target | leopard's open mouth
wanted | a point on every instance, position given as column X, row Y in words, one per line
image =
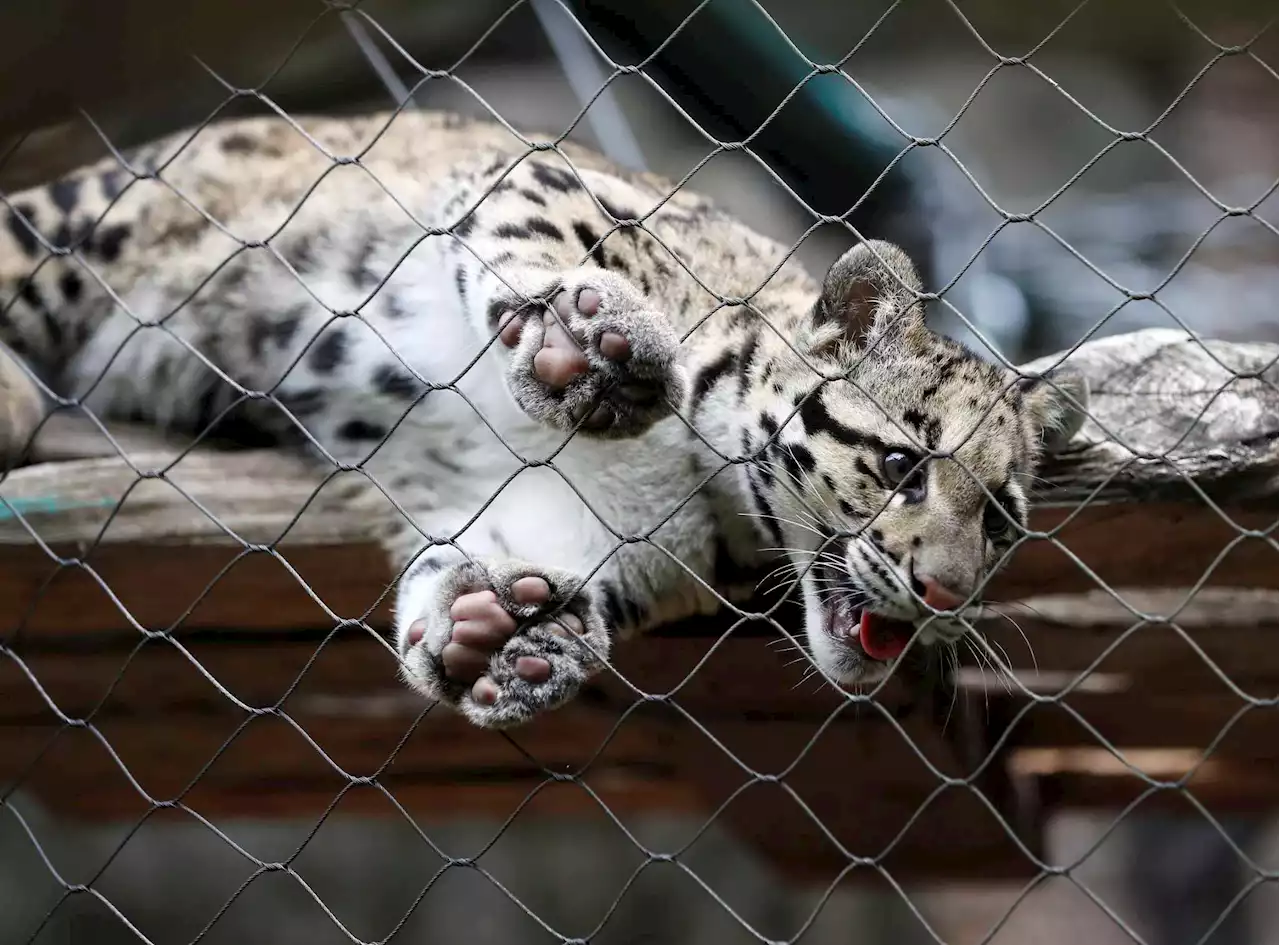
column 880, row 638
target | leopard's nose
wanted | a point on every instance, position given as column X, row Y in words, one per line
column 938, row 596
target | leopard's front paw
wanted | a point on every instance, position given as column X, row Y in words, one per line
column 502, row 643
column 606, row 362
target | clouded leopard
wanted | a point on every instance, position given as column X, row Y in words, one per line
column 598, row 401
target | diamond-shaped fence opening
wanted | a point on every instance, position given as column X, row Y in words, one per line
column 257, row 386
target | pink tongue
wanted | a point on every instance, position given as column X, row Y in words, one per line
column 882, row 638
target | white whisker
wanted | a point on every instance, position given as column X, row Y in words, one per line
column 998, row 665
column 978, row 656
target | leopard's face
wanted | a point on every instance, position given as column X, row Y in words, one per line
column 898, row 480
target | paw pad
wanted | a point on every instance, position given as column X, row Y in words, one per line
column 602, row 360
column 504, row 652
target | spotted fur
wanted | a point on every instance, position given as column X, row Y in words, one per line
column 343, row 289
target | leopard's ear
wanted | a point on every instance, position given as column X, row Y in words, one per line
column 870, row 291
column 1059, row 403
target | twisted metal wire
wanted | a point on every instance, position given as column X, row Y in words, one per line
column 361, row 22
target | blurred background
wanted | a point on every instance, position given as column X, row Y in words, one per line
column 1158, row 211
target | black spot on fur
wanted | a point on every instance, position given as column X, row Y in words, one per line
column 238, row 143
column 213, row 402
column 930, row 428
column 590, row 242
column 621, row 214
column 618, row 264
column 544, row 227
column 357, row 429
column 620, row 610
column 554, row 177
column 788, row 462
column 258, row 329
column 30, row 293
column 65, row 194
column 361, row 276
column 726, row 569
column 879, row 571
column 947, row 368
column 72, row 286
column 861, row 466
column 277, row 329
column 301, row 254
column 767, row 517
column 302, row 403
column 612, row 603
column 464, row 226
column 817, row 419
column 25, row 238
column 111, row 241
column 113, row 184
column 749, row 345
column 328, row 352
column 533, row 196
column 512, row 231
column 439, row 458
column 394, row 381
column 933, row 433
column 777, row 387
column 803, row 456
column 845, row 507
column 71, row 235
column 497, row 309
column 393, row 305
column 460, row 280
column 426, row 564
column 769, row 425
column 709, row 374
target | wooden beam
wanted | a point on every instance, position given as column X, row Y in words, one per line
column 158, row 584
column 1126, row 506
column 1178, row 780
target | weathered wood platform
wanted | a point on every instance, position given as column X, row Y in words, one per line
column 185, row 627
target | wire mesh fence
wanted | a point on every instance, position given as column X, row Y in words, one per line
column 1176, row 463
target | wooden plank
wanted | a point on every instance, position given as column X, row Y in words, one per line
column 871, row 784
column 1195, row 719
column 317, row 749
column 203, row 586
column 156, row 585
column 1227, row 632
column 1153, row 544
column 811, row 799
column 1177, row 424
column 204, row 674
column 1178, row 780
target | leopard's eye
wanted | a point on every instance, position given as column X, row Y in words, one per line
column 995, row 521
column 902, row 468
